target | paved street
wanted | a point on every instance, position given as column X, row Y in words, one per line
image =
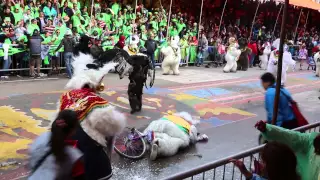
column 228, row 104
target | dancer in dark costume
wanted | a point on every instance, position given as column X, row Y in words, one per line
column 138, row 77
column 138, row 67
column 243, row 62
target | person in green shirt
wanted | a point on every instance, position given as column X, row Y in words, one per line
column 306, row 147
column 184, row 45
column 18, row 15
column 115, row 8
column 33, row 26
column 180, row 25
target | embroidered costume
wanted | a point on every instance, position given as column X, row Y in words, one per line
column 99, row 120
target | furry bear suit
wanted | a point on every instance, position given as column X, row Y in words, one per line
column 172, row 57
column 99, row 120
column 171, row 133
column 243, row 62
column 286, row 62
column 265, row 55
column 232, row 56
column 317, row 60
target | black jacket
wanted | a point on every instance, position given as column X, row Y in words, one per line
column 67, row 10
column 151, row 46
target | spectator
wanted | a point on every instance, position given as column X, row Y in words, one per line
column 68, row 43
column 303, row 54
column 286, row 118
column 306, row 146
column 121, row 43
column 279, row 163
column 151, row 46
column 254, row 52
column 49, row 11
column 50, row 154
column 202, row 48
column 35, row 52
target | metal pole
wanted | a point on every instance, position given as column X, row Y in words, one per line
column 169, row 19
column 92, row 4
column 305, row 25
column 274, row 28
column 200, row 19
column 254, row 20
column 224, row 7
column 135, row 8
column 295, row 33
column 278, row 85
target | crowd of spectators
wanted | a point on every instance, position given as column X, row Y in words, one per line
column 53, row 19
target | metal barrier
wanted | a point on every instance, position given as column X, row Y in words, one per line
column 223, row 169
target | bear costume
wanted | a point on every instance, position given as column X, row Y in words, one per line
column 243, row 62
column 232, row 56
column 172, row 57
column 172, row 132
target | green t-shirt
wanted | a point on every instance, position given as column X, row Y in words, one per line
column 17, row 17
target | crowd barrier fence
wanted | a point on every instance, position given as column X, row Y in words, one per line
column 189, row 56
column 223, row 169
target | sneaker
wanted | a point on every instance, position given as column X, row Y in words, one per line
column 154, row 152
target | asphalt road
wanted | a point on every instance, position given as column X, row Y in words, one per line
column 228, row 104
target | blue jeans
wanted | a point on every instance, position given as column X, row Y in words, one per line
column 252, row 56
column 151, row 56
column 68, row 61
column 6, row 63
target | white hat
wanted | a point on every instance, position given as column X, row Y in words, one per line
column 68, row 32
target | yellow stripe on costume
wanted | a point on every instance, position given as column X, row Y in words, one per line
column 179, row 121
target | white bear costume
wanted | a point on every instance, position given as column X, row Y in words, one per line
column 232, row 56
column 286, row 62
column 317, row 60
column 172, row 57
column 265, row 56
column 171, row 133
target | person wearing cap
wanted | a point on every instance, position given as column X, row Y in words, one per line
column 151, row 46
column 68, row 43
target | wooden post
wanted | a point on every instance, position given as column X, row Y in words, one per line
column 279, row 72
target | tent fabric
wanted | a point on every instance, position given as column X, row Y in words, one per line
column 311, row 4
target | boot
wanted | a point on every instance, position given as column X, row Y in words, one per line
column 154, row 151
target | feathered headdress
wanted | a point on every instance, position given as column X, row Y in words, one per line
column 87, row 72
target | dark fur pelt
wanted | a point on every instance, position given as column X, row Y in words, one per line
column 243, row 62
column 83, row 46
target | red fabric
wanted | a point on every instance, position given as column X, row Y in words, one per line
column 121, row 42
column 253, row 47
column 296, row 111
column 78, row 169
column 315, row 49
column 82, row 101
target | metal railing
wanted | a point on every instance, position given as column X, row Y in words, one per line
column 225, row 170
